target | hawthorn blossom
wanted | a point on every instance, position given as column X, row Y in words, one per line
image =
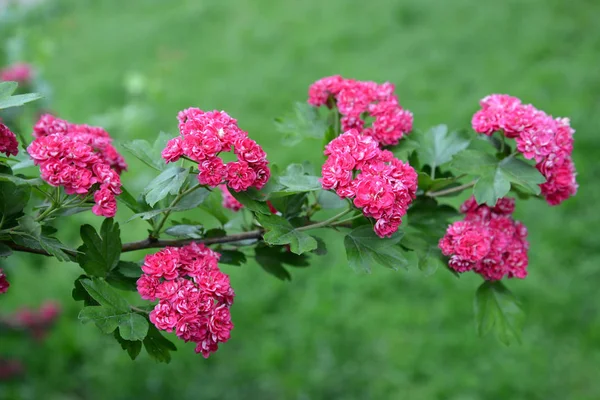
column 538, row 136
column 194, row 296
column 19, row 72
column 357, row 100
column 204, row 135
column 4, row 285
column 80, row 158
column 384, row 187
column 8, row 141
column 488, row 241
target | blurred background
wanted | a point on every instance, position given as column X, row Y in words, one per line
column 130, row 66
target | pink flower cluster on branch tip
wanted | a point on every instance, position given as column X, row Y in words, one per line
column 204, row 135
column 19, row 72
column 194, row 295
column 8, row 141
column 228, row 200
column 488, row 241
column 79, row 158
column 4, row 285
column 356, row 100
column 384, row 187
column 539, row 136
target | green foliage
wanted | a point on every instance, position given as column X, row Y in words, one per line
column 149, row 154
column 185, row 231
column 99, row 254
column 494, row 176
column 133, row 347
column 306, row 123
column 232, row 257
column 167, row 182
column 364, row 249
column 437, row 146
column 8, row 100
column 279, row 231
column 274, row 259
column 187, row 202
column 497, row 310
column 296, row 179
column 158, row 347
column 248, row 199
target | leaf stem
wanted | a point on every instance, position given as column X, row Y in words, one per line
column 326, row 222
column 176, row 200
column 450, row 190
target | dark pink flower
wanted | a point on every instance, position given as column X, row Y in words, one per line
column 8, row 141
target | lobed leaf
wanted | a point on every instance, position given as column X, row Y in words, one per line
column 497, row 310
column 279, row 231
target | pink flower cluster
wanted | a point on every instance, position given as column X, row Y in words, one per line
column 356, row 100
column 194, row 295
column 19, row 72
column 228, row 200
column 204, row 135
column 4, row 285
column 8, row 141
column 539, row 136
column 384, row 187
column 488, row 241
column 78, row 157
column 35, row 322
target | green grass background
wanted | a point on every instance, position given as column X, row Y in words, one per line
column 331, row 332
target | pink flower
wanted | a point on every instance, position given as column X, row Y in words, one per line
column 4, row 285
column 228, row 200
column 77, row 157
column 146, row 287
column 212, row 172
column 538, row 136
column 356, row 99
column 240, row 176
column 488, row 241
column 194, row 295
column 19, row 72
column 385, row 186
column 204, row 136
column 8, row 141
column 106, row 204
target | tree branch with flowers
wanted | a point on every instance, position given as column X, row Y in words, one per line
column 381, row 190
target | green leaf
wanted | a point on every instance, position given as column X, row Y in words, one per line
column 13, row 198
column 128, row 269
column 269, row 260
column 290, row 206
column 167, row 182
column 126, row 198
column 329, row 200
column 523, row 174
column 212, row 205
column 305, row 123
column 232, row 257
column 7, row 88
column 429, row 217
column 157, row 346
column 100, row 254
column 365, row 249
column 495, row 176
column 185, row 231
column 133, row 326
column 279, row 231
column 427, row 184
column 5, row 251
column 188, row 202
column 80, row 294
column 437, row 146
column 100, row 291
column 133, row 347
column 404, row 149
column 250, row 203
column 24, row 163
column 491, row 186
column 144, row 151
column 18, row 100
column 296, row 179
column 21, row 181
column 105, row 318
column 497, row 309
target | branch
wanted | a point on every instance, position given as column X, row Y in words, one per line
column 152, row 243
column 451, row 190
